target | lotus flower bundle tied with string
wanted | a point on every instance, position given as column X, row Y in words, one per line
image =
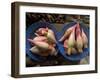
column 44, row 43
column 74, row 40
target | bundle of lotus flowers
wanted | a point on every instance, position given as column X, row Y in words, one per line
column 44, row 43
column 74, row 40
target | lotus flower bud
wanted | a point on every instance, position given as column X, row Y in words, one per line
column 79, row 41
column 85, row 39
column 67, row 49
column 42, row 52
column 39, row 51
column 71, row 40
column 42, row 31
column 67, row 33
column 42, row 45
column 39, row 38
column 35, row 49
column 50, row 36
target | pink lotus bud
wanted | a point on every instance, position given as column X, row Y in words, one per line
column 39, row 51
column 35, row 49
column 51, row 36
column 85, row 39
column 79, row 41
column 42, row 45
column 68, row 51
column 39, row 38
column 51, row 50
column 67, row 33
column 71, row 40
column 42, row 31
